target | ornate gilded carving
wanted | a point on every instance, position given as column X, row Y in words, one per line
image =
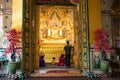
column 83, row 36
column 55, row 27
column 26, row 29
column 56, row 24
column 116, row 6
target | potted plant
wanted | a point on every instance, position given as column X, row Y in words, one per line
column 13, row 37
column 103, row 45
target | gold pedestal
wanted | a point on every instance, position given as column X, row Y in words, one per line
column 51, row 50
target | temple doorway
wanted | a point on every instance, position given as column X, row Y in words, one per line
column 53, row 24
column 56, row 26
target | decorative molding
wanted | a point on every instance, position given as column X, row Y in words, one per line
column 58, row 2
column 26, row 59
column 83, row 36
column 75, row 1
column 116, row 6
column 106, row 12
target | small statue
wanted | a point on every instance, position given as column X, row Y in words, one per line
column 103, row 55
column 13, row 57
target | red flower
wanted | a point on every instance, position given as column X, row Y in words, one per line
column 13, row 37
column 102, row 41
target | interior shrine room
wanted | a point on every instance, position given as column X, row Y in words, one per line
column 32, row 31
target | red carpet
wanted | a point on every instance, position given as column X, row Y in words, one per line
column 57, row 71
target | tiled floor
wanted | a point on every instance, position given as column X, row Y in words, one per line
column 4, row 70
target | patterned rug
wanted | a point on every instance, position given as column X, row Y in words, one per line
column 56, row 72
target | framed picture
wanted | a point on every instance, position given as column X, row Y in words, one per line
column 95, row 59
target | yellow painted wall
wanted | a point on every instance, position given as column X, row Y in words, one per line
column 94, row 14
column 17, row 14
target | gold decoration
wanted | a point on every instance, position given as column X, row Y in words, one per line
column 56, row 24
column 55, row 27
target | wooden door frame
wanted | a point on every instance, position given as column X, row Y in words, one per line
column 29, row 47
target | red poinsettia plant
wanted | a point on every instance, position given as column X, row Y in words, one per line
column 102, row 42
column 14, row 38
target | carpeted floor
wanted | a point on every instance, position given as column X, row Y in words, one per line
column 57, row 71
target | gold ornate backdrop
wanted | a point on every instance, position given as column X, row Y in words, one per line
column 55, row 27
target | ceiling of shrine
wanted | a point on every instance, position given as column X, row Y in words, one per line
column 59, row 2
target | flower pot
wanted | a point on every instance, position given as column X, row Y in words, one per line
column 12, row 67
column 104, row 66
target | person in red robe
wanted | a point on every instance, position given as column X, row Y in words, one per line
column 61, row 60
